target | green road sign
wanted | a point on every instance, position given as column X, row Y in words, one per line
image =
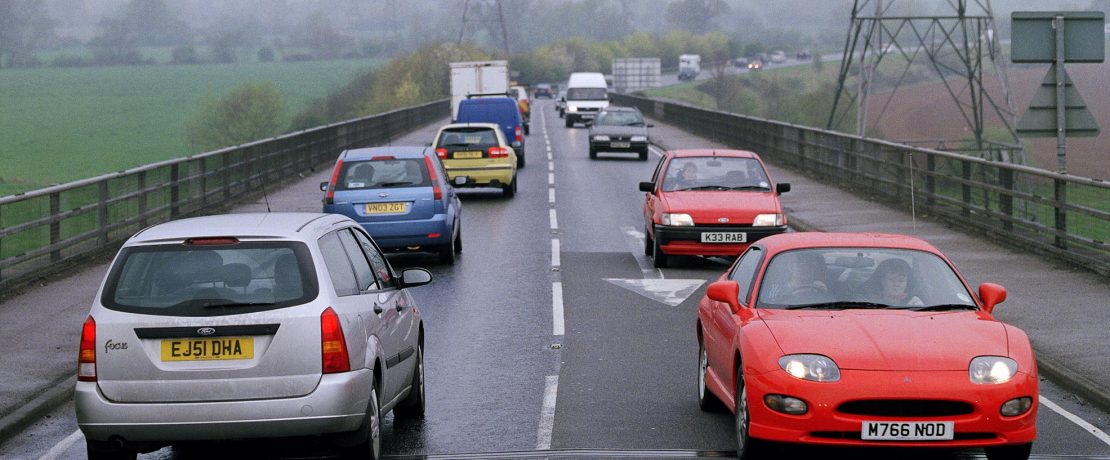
column 1040, row 119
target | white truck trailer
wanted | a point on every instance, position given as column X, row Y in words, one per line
column 689, row 66
column 477, row 77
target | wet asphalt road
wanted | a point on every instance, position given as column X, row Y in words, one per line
column 617, row 381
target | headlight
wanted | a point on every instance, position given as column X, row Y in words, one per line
column 991, row 369
column 639, row 138
column 680, row 220
column 767, row 220
column 601, row 138
column 815, row 368
column 572, row 108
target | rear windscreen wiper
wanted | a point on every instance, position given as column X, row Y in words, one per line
column 395, row 184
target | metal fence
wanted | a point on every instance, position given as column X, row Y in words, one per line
column 1042, row 211
column 44, row 229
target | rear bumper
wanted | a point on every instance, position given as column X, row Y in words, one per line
column 410, row 233
column 338, row 404
column 481, row 175
column 687, row 240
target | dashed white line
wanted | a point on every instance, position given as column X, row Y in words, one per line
column 557, row 308
column 554, row 220
column 550, row 178
column 548, row 156
column 551, row 195
column 547, row 414
column 550, row 166
column 1102, row 436
column 554, row 252
column 62, row 446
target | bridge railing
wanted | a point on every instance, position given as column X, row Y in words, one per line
column 44, row 229
column 1042, row 211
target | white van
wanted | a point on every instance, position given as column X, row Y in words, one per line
column 587, row 94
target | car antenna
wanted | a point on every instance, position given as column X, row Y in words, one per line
column 913, row 203
column 265, row 196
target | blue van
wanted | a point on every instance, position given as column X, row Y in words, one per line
column 502, row 111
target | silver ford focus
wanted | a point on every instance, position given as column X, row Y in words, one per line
column 245, row 326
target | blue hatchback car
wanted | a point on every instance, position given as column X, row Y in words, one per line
column 401, row 196
column 502, row 111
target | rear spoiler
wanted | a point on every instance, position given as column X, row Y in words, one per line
column 469, row 96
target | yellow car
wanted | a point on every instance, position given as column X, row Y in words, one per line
column 477, row 155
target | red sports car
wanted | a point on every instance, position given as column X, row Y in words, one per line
column 709, row 202
column 863, row 340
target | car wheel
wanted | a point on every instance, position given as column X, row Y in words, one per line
column 569, row 121
column 644, row 155
column 520, row 159
column 746, row 447
column 707, row 401
column 649, row 245
column 1016, row 452
column 593, row 154
column 660, row 258
column 107, row 451
column 509, row 190
column 413, row 404
column 371, row 444
column 458, row 240
column 527, row 129
column 447, row 253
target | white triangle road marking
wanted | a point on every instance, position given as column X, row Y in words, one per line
column 668, row 291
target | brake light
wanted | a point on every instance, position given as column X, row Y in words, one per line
column 333, row 347
column 441, row 153
column 211, row 241
column 498, row 152
column 86, row 357
column 436, row 192
column 519, row 136
column 329, row 198
column 383, row 157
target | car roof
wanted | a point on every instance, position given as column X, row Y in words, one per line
column 686, row 153
column 259, row 225
column 396, row 151
column 799, row 240
column 488, row 100
column 494, row 126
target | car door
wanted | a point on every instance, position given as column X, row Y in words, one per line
column 398, row 326
column 651, row 199
column 725, row 325
column 350, row 301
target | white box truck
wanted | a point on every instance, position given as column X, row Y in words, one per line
column 587, row 94
column 689, row 66
column 477, row 77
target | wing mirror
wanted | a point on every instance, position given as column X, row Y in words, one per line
column 413, row 277
column 991, row 294
column 323, row 186
column 782, row 188
column 726, row 291
column 650, row 125
column 647, row 187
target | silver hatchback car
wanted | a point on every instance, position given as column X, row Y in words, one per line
column 245, row 326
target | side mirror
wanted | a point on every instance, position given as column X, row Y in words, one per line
column 647, row 187
column 650, row 125
column 323, row 186
column 782, row 188
column 991, row 294
column 413, row 277
column 727, row 291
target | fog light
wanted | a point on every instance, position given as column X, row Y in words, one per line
column 1016, row 406
column 785, row 404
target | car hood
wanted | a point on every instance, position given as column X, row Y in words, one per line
column 889, row 340
column 623, row 131
column 706, row 207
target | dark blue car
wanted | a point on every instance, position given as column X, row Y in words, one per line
column 502, row 111
column 401, row 196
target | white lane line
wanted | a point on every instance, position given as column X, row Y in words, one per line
column 554, row 221
column 1102, row 436
column 550, row 178
column 62, row 446
column 656, row 151
column 550, row 166
column 547, row 415
column 548, row 156
column 635, row 245
column 554, row 252
column 551, row 195
column 549, row 147
column 557, row 326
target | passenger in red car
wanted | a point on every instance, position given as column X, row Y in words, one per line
column 890, row 283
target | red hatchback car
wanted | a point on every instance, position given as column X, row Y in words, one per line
column 709, row 203
column 863, row 340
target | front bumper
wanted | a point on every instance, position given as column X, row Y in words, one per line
column 686, row 241
column 338, row 404
column 981, row 425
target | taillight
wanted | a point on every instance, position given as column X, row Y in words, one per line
column 329, row 198
column 441, row 153
column 436, row 192
column 333, row 348
column 382, row 158
column 86, row 358
column 519, row 136
column 498, row 152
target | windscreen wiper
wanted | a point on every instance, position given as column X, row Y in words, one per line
column 395, row 184
column 703, row 187
column 240, row 304
column 750, row 187
column 946, row 307
column 838, row 306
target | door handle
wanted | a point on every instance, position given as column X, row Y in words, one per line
column 377, row 308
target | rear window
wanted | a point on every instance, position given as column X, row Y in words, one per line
column 408, row 172
column 182, row 280
column 468, row 138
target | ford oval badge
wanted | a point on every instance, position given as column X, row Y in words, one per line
column 723, row 220
column 206, row 331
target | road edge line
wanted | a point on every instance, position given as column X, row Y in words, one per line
column 21, row 417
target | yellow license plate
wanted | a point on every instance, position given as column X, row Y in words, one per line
column 208, row 349
column 386, row 208
column 467, row 154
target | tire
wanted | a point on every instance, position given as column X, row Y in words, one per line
column 107, row 451
column 649, row 244
column 508, row 191
column 644, row 155
column 370, row 446
column 658, row 256
column 707, row 401
column 746, row 447
column 593, row 154
column 413, row 404
column 527, row 129
column 1013, row 452
column 447, row 253
column 458, row 240
column 569, row 122
column 520, row 159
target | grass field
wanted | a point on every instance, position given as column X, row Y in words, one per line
column 62, row 124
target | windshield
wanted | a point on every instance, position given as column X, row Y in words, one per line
column 715, row 173
column 181, row 280
column 619, row 118
column 847, row 278
column 587, row 94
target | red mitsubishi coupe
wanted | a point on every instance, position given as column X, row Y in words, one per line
column 863, row 340
column 709, row 202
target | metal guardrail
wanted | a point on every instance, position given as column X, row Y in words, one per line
column 1062, row 215
column 44, row 229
